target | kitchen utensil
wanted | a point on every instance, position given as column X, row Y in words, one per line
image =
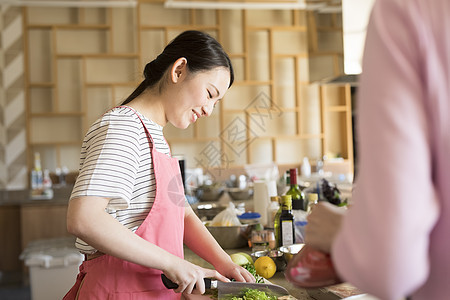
column 250, row 218
column 237, row 193
column 263, row 240
column 209, row 192
column 275, row 255
column 232, row 288
column 207, row 211
column 231, row 237
column 290, row 251
column 262, row 191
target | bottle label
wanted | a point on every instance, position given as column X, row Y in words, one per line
column 288, row 233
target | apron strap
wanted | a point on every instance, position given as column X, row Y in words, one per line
column 149, row 136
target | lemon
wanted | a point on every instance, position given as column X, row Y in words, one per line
column 265, row 267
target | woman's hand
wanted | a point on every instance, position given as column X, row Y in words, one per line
column 190, row 277
column 234, row 271
column 323, row 224
column 201, row 242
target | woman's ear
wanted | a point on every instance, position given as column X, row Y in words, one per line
column 179, row 69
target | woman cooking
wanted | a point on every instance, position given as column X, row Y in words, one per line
column 127, row 207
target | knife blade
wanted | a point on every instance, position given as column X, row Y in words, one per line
column 233, row 287
column 236, row 288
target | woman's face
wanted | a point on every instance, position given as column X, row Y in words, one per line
column 196, row 95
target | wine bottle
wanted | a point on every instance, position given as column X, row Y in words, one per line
column 286, row 230
column 298, row 198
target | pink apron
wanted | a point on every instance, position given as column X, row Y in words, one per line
column 108, row 277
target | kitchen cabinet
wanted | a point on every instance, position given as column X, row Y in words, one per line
column 82, row 61
column 337, row 121
column 10, row 238
column 42, row 222
column 20, row 225
column 23, row 220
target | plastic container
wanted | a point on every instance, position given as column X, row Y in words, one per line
column 250, row 218
column 272, row 210
column 305, row 168
column 300, row 231
column 53, row 265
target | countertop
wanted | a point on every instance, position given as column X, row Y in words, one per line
column 23, row 197
column 331, row 293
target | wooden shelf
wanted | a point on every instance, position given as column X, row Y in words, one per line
column 292, row 137
column 108, row 84
column 250, row 82
column 178, row 27
column 97, row 55
column 69, row 143
column 329, row 29
column 278, row 28
column 41, row 84
column 189, row 140
column 70, row 26
column 337, row 108
column 95, row 59
column 325, row 53
column 56, row 114
column 297, row 55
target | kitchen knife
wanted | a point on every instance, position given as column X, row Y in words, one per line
column 233, row 287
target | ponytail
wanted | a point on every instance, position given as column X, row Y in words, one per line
column 203, row 53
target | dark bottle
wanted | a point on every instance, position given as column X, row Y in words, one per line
column 298, row 198
column 286, row 230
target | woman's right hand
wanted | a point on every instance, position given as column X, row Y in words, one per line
column 190, row 277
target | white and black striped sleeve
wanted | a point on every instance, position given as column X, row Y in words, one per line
column 112, row 157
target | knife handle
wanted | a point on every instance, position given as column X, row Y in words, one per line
column 172, row 285
column 168, row 283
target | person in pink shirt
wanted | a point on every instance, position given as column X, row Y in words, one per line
column 393, row 242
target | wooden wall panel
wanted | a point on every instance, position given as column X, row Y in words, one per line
column 278, row 55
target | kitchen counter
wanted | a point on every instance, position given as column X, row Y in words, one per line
column 331, row 293
column 23, row 197
column 25, row 219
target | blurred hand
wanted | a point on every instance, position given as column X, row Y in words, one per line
column 323, row 224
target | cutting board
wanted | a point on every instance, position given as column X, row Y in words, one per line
column 203, row 297
column 209, row 297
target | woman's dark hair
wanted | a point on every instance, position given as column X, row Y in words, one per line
column 203, row 53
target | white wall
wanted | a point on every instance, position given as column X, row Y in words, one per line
column 355, row 15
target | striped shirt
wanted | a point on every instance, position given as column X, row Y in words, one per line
column 116, row 163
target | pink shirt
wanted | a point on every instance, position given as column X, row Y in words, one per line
column 395, row 240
